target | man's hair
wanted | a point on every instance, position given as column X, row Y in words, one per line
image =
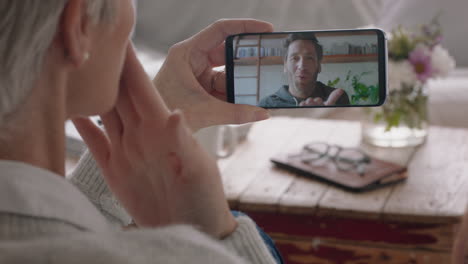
column 27, row 29
column 303, row 36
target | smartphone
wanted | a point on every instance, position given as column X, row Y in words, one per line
column 307, row 69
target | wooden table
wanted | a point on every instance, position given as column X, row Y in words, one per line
column 314, row 222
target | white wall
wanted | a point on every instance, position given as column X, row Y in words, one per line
column 453, row 19
column 245, row 85
column 272, row 78
column 162, row 23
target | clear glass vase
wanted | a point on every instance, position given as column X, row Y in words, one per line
column 401, row 122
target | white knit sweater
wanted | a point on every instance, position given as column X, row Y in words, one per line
column 245, row 241
column 46, row 219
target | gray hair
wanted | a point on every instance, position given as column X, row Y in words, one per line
column 28, row 28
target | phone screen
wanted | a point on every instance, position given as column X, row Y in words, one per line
column 298, row 69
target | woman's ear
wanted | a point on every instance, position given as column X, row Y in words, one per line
column 75, row 38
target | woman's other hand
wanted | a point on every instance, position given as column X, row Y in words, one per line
column 188, row 82
column 151, row 162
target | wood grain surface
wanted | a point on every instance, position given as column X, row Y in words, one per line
column 314, row 222
column 436, row 190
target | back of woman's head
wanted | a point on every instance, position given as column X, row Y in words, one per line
column 27, row 29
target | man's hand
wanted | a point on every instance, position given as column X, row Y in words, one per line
column 334, row 96
column 188, row 82
column 151, row 162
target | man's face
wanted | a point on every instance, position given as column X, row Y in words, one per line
column 302, row 66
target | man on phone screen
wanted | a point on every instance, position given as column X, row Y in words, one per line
column 302, row 64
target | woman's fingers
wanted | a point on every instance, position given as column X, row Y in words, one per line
column 218, row 55
column 138, row 87
column 174, row 127
column 213, row 109
column 187, row 80
column 125, row 108
column 215, row 34
column 214, row 83
column 218, row 84
column 113, row 125
column 95, row 139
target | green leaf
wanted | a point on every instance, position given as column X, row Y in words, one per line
column 333, row 83
column 378, row 117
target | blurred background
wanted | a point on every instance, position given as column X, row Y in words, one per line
column 162, row 23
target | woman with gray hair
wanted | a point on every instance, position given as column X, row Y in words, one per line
column 70, row 59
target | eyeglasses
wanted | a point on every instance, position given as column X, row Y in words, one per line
column 345, row 159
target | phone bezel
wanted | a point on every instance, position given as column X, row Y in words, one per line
column 381, row 54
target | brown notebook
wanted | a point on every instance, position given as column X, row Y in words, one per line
column 378, row 173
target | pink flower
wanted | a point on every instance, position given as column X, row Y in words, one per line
column 420, row 58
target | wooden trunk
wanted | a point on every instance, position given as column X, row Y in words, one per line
column 308, row 239
column 314, row 222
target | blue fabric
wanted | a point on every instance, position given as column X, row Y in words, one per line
column 266, row 239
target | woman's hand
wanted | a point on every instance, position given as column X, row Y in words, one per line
column 188, row 82
column 152, row 163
